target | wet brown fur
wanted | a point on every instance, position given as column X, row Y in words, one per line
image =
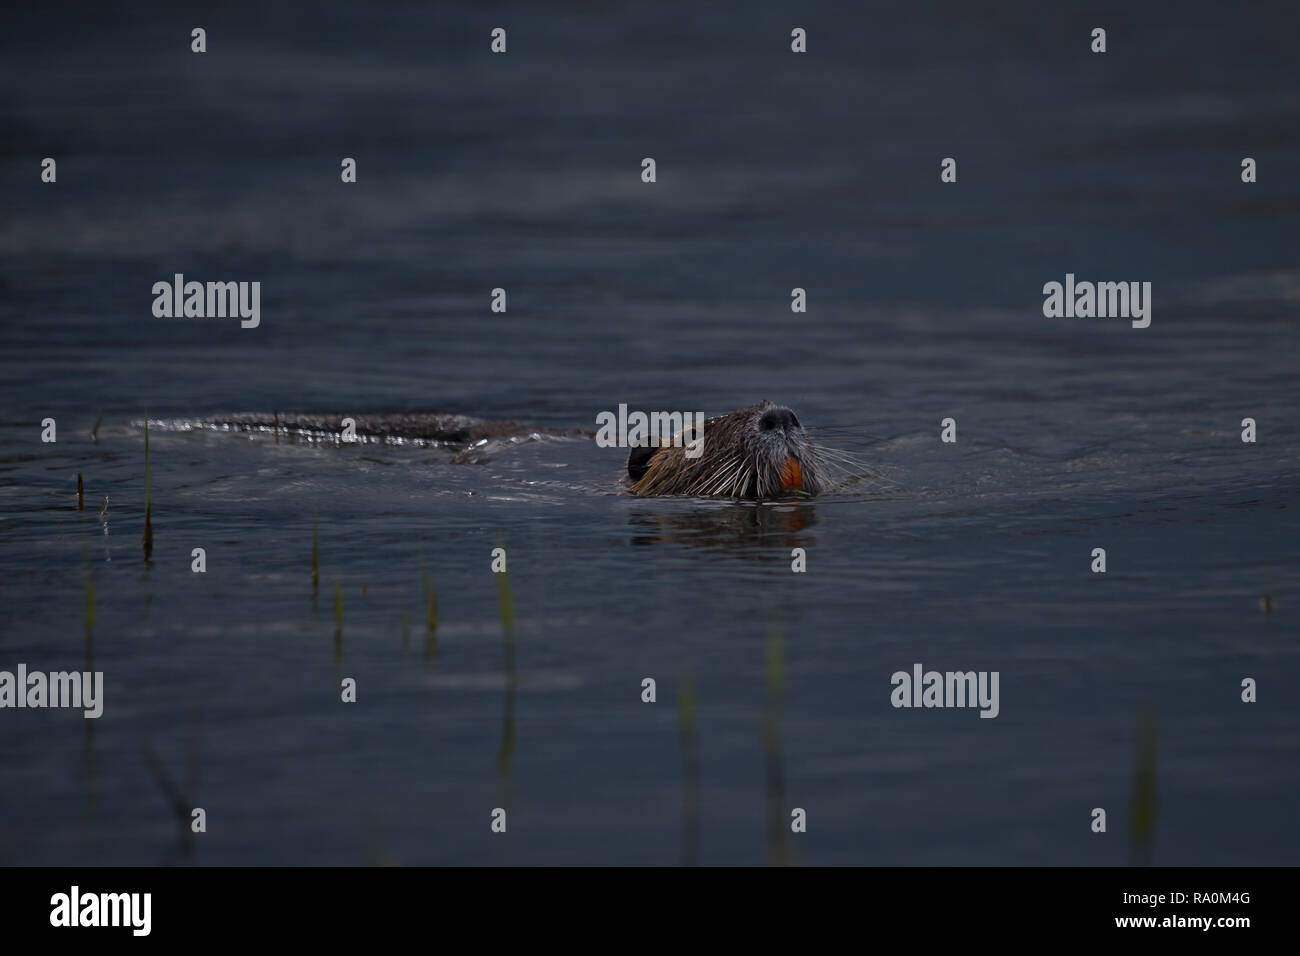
column 734, row 463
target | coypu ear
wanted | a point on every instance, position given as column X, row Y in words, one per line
column 638, row 461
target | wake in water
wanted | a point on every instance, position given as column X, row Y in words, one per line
column 759, row 452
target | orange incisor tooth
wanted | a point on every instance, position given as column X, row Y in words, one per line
column 791, row 473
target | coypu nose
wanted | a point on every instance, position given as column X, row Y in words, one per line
column 781, row 418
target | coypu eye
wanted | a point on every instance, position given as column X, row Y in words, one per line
column 777, row 418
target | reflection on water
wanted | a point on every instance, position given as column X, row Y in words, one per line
column 1144, row 790
column 688, row 736
column 738, row 527
column 430, row 618
column 182, row 798
column 315, row 559
column 778, row 820
column 338, row 625
column 505, row 754
column 90, row 759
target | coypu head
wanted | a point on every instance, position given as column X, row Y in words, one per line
column 757, row 452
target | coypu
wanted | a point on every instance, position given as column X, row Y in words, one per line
column 761, row 451
column 757, row 452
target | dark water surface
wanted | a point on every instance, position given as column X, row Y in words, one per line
column 774, row 171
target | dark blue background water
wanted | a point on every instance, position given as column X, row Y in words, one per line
column 774, row 171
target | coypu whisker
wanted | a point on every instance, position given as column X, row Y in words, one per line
column 724, row 477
